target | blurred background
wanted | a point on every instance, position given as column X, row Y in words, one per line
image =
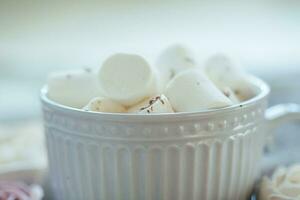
column 37, row 37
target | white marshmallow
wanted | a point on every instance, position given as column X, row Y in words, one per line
column 102, row 104
column 227, row 91
column 222, row 69
column 74, row 87
column 173, row 60
column 191, row 91
column 158, row 104
column 225, row 73
column 127, row 79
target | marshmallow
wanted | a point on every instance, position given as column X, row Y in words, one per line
column 191, row 91
column 101, row 104
column 243, row 89
column 227, row 91
column 127, row 79
column 225, row 73
column 222, row 69
column 74, row 87
column 158, row 104
column 173, row 60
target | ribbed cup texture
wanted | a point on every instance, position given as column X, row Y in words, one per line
column 205, row 158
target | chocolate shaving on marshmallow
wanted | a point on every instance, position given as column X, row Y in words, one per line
column 137, row 107
column 158, row 104
column 192, row 91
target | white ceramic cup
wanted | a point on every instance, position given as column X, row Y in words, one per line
column 183, row 156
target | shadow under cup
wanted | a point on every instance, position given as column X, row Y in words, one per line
column 202, row 155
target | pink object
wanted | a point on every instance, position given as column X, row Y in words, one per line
column 19, row 191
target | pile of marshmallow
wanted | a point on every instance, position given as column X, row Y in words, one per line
column 127, row 83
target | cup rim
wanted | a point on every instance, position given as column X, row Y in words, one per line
column 263, row 87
